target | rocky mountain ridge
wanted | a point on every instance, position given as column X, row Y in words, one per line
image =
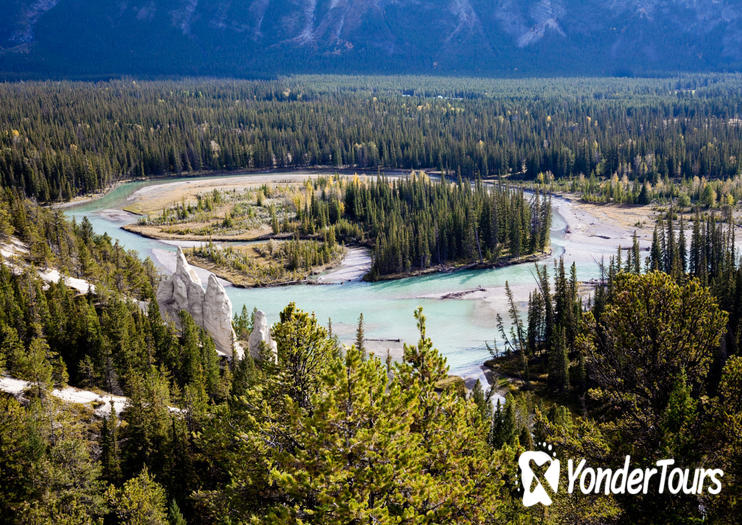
column 282, row 36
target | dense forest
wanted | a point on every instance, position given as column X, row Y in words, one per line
column 415, row 223
column 685, row 193
column 51, row 241
column 181, row 446
column 61, row 139
column 650, row 363
column 331, row 435
column 646, row 364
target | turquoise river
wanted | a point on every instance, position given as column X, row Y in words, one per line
column 459, row 326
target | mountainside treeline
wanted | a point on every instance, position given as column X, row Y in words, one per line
column 50, row 241
column 58, row 140
column 179, row 447
column 106, row 339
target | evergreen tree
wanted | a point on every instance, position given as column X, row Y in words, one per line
column 303, row 350
column 682, row 253
column 559, row 363
column 140, row 500
column 504, row 428
column 175, row 516
column 109, row 445
column 361, row 336
column 635, row 259
column 481, row 401
column 655, row 255
column 655, row 328
column 35, row 367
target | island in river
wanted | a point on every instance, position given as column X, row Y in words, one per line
column 290, row 231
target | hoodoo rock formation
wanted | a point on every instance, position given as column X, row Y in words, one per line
column 261, row 333
column 217, row 310
column 211, row 310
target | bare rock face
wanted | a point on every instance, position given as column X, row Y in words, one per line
column 183, row 291
column 217, row 312
column 261, row 333
column 211, row 310
column 567, row 37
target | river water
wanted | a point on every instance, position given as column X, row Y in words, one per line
column 459, row 327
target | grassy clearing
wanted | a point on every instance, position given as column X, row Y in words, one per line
column 267, row 264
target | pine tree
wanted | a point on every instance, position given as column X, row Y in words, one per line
column 559, row 363
column 670, row 251
column 145, row 438
column 563, row 364
column 532, row 322
column 242, row 324
column 682, row 253
column 11, row 349
column 635, row 254
column 109, row 444
column 175, row 516
column 526, row 438
column 679, row 417
column 360, row 409
column 695, row 246
column 361, row 336
column 303, row 351
column 655, row 255
column 140, row 500
column 34, row 365
column 546, row 300
column 581, row 374
column 525, row 371
column 504, row 428
column 653, row 330
column 481, row 401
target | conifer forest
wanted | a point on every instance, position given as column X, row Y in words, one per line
column 590, row 226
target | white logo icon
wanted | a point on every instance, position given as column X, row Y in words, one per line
column 538, row 493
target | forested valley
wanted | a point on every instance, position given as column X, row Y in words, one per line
column 643, row 361
column 62, row 139
column 324, row 434
column 217, row 441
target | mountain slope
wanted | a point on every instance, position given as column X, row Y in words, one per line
column 276, row 36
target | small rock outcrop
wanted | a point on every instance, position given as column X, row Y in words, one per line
column 217, row 311
column 211, row 310
column 261, row 333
